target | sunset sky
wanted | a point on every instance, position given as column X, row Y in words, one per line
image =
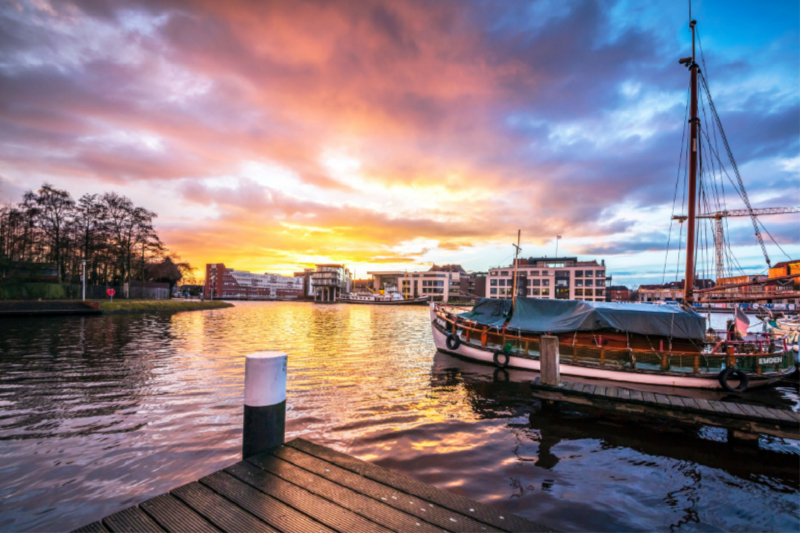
column 392, row 135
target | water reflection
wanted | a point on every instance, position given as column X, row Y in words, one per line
column 631, row 476
column 99, row 413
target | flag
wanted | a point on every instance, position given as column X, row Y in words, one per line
column 742, row 322
column 558, row 236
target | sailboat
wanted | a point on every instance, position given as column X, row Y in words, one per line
column 665, row 345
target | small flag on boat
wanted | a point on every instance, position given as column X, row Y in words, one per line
column 742, row 322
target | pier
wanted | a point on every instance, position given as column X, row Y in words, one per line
column 301, row 486
column 743, row 422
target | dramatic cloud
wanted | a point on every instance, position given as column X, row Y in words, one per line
column 270, row 135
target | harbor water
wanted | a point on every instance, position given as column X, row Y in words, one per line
column 100, row 413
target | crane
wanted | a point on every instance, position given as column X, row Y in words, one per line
column 718, row 236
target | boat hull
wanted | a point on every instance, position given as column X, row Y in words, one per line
column 486, row 355
column 417, row 301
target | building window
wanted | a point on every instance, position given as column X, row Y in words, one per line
column 545, row 292
column 589, row 282
column 579, row 283
column 588, row 292
column 534, row 282
column 578, row 292
column 599, row 292
column 534, row 272
column 555, row 265
column 544, row 272
column 493, row 291
column 505, row 273
column 534, row 292
column 579, row 273
column 599, row 274
column 545, row 283
column 493, row 283
column 502, row 283
column 589, row 273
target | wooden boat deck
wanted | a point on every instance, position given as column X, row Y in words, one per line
column 747, row 421
column 302, row 486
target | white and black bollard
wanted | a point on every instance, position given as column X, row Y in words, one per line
column 264, row 402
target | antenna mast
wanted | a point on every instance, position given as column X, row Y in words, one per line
column 516, row 258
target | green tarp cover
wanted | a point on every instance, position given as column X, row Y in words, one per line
column 489, row 312
column 559, row 316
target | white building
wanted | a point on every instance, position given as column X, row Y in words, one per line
column 440, row 283
column 222, row 282
column 563, row 278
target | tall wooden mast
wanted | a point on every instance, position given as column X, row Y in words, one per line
column 694, row 122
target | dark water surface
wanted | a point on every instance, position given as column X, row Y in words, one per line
column 100, row 413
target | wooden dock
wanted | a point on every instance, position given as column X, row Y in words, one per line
column 744, row 422
column 302, row 486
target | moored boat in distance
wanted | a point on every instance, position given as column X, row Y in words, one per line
column 392, row 298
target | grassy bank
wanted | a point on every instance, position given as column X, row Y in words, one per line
column 155, row 306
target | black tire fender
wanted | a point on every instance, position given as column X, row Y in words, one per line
column 501, row 375
column 501, row 359
column 735, row 373
column 453, row 342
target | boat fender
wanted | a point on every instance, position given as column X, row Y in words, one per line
column 736, row 374
column 453, row 342
column 501, row 359
column 501, row 375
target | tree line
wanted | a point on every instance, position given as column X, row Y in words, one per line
column 115, row 237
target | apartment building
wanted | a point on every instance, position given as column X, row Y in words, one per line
column 229, row 284
column 563, row 278
column 440, row 283
column 329, row 282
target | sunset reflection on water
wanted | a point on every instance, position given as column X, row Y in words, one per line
column 100, row 413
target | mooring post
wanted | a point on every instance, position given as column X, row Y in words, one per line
column 264, row 402
column 548, row 360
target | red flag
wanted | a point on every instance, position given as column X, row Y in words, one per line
column 742, row 321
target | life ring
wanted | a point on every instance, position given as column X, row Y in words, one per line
column 736, row 374
column 501, row 356
column 453, row 342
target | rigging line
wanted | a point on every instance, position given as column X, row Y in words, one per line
column 743, row 192
column 773, row 240
column 677, row 181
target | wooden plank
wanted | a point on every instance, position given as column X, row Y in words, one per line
column 175, row 516
column 624, row 394
column 648, row 397
column 781, row 414
column 752, row 413
column 131, row 520
column 611, row 392
column 600, row 391
column 691, row 404
column 420, row 507
column 578, row 388
column 717, row 407
column 763, row 413
column 676, row 402
column 636, row 396
column 267, row 508
column 94, row 527
column 662, row 400
column 479, row 511
column 219, row 511
column 704, row 405
column 332, row 515
column 377, row 511
column 734, row 409
column 589, row 389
